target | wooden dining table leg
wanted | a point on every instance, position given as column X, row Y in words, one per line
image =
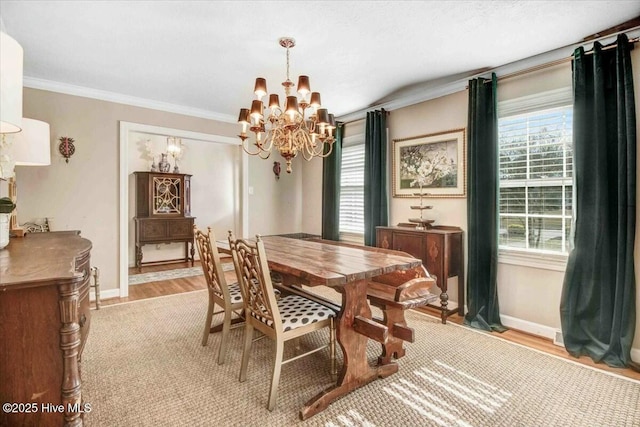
column 356, row 370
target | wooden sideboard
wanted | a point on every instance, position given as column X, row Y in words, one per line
column 441, row 250
column 44, row 323
column 163, row 212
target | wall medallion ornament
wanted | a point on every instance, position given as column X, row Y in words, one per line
column 66, row 147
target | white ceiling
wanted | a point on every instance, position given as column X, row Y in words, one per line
column 203, row 56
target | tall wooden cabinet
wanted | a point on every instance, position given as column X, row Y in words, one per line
column 163, row 211
column 441, row 250
column 44, row 324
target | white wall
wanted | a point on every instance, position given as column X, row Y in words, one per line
column 311, row 204
column 275, row 207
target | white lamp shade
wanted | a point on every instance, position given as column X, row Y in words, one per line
column 11, row 59
column 32, row 146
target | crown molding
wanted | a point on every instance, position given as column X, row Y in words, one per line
column 436, row 89
column 49, row 85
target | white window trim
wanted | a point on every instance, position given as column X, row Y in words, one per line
column 539, row 101
column 546, row 260
column 350, row 237
column 350, row 140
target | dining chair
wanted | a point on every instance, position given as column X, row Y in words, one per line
column 281, row 320
column 227, row 296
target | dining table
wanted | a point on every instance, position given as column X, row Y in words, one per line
column 349, row 270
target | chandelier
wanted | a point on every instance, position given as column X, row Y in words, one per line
column 302, row 126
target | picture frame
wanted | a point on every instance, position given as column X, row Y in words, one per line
column 436, row 160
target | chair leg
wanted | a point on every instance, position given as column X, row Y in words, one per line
column 275, row 379
column 226, row 326
column 207, row 325
column 248, row 339
column 332, row 347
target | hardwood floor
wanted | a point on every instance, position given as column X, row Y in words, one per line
column 188, row 284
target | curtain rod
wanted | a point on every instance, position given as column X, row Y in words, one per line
column 387, row 113
column 557, row 62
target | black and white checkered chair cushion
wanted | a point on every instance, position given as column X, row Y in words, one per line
column 297, row 311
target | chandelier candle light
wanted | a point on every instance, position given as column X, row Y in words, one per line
column 303, row 126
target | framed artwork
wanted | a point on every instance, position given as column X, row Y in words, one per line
column 434, row 163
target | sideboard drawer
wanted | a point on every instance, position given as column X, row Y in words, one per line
column 409, row 243
column 153, row 230
column 164, row 230
column 180, row 228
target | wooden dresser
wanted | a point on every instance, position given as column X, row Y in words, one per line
column 44, row 322
column 441, row 250
column 163, row 212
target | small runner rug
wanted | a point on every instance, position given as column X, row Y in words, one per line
column 178, row 273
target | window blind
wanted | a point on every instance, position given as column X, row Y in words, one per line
column 352, row 193
column 536, row 169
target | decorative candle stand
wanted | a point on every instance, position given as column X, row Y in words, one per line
column 422, row 224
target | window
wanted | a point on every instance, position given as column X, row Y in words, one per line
column 536, row 170
column 352, row 190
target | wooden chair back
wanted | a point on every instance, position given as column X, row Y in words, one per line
column 211, row 265
column 250, row 261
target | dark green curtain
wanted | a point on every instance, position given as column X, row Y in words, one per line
column 331, row 168
column 375, row 175
column 597, row 308
column 482, row 206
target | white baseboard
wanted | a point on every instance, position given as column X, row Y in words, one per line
column 547, row 332
column 528, row 327
column 109, row 293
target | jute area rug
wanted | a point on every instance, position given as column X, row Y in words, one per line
column 144, row 365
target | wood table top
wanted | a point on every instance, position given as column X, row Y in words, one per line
column 317, row 263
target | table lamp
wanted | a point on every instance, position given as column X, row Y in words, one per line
column 31, row 147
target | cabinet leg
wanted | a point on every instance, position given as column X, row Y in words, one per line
column 444, row 302
column 139, row 258
column 193, row 254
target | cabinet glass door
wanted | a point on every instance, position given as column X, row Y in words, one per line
column 167, row 197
